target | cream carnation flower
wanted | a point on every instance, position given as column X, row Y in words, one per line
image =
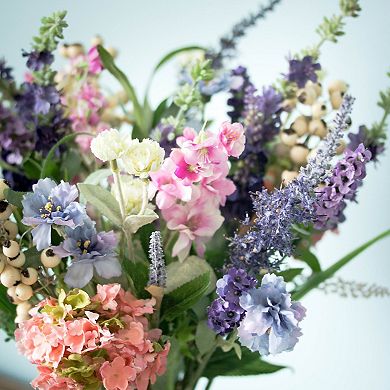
column 108, row 145
column 143, row 157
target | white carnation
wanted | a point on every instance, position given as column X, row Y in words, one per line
column 143, row 157
column 108, row 145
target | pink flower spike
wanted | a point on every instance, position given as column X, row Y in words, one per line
column 95, row 65
column 232, row 138
column 116, row 375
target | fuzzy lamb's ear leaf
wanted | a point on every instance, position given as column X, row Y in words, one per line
column 103, row 201
column 228, row 364
column 204, row 338
column 184, row 297
column 133, row 223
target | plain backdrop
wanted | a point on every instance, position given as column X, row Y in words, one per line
column 346, row 341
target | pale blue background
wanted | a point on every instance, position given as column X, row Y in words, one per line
column 346, row 342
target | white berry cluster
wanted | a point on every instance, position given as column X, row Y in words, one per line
column 310, row 111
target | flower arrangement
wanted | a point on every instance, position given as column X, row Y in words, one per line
column 147, row 248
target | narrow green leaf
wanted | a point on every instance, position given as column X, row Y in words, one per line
column 109, row 64
column 159, row 112
column 184, row 297
column 319, row 277
column 309, row 258
column 228, row 364
column 289, row 274
column 14, row 197
column 103, row 201
column 46, row 163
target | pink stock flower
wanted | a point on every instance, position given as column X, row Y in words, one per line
column 49, row 380
column 170, row 188
column 196, row 222
column 219, row 188
column 116, row 375
column 232, row 137
column 95, row 65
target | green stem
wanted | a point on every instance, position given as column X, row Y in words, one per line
column 209, row 383
column 319, row 277
column 198, row 373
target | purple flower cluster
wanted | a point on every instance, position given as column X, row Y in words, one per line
column 261, row 116
column 15, row 138
column 225, row 312
column 301, row 71
column 341, row 186
column 37, row 60
column 271, row 323
column 165, row 135
column 375, row 143
column 239, row 83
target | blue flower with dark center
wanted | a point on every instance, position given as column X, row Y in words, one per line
column 271, row 322
column 51, row 204
column 91, row 252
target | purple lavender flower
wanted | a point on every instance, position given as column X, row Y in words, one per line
column 347, row 178
column 238, row 85
column 375, row 144
column 261, row 116
column 5, row 71
column 15, row 138
column 50, row 204
column 223, row 316
column 225, row 312
column 301, row 71
column 271, row 322
column 91, row 252
column 36, row 99
column 37, row 60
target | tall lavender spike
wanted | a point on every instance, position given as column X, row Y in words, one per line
column 318, row 167
column 157, row 271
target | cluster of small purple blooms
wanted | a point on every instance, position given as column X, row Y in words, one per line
column 342, row 186
column 157, row 270
column 302, row 71
column 225, row 312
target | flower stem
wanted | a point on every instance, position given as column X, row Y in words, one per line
column 117, row 181
column 144, row 197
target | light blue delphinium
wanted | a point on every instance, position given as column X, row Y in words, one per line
column 51, row 204
column 271, row 323
column 91, row 251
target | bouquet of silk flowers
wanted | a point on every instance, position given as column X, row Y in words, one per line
column 148, row 247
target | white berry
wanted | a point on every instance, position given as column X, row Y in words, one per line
column 23, row 308
column 23, row 292
column 17, row 261
column 11, row 228
column 49, row 259
column 3, row 186
column 337, row 86
column 289, row 137
column 5, row 210
column 10, row 276
column 29, row 276
column 288, row 176
column 298, row 154
column 318, row 110
column 300, row 125
column 336, row 99
column 11, row 248
column 19, row 318
column 3, row 262
column 318, row 127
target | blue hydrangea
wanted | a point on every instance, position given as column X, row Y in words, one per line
column 91, row 252
column 271, row 322
column 51, row 204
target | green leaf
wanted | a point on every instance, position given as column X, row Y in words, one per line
column 228, row 364
column 31, row 169
column 103, row 201
column 134, row 222
column 204, row 338
column 184, row 297
column 14, row 197
column 319, row 277
column 169, row 56
column 109, row 64
column 5, row 304
column 309, row 258
column 33, row 258
column 45, row 172
column 139, row 273
column 97, row 176
column 289, row 274
column 217, row 249
column 159, row 112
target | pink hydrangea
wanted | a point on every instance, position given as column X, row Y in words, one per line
column 116, row 375
column 106, row 295
column 49, row 380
